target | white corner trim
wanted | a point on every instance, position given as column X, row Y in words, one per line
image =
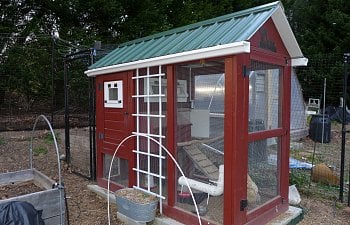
column 215, row 51
column 302, row 61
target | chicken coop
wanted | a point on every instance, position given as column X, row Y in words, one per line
column 216, row 94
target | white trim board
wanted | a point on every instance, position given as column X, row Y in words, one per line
column 215, row 51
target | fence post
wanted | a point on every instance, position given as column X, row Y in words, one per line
column 341, row 186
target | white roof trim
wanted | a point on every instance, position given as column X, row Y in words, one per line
column 302, row 61
column 288, row 38
column 215, row 51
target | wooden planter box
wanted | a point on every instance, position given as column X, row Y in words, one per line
column 50, row 200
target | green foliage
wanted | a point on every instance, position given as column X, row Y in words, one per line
column 322, row 30
column 40, row 151
column 27, row 67
column 317, row 159
column 48, row 139
column 2, row 141
column 299, row 177
column 26, row 28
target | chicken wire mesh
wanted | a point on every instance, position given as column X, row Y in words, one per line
column 322, row 80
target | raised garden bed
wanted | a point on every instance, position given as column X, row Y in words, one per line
column 45, row 197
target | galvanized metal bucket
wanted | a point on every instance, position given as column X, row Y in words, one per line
column 140, row 212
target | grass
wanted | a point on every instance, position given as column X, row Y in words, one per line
column 307, row 156
column 2, row 141
column 318, row 158
column 300, row 178
column 48, row 138
column 39, row 151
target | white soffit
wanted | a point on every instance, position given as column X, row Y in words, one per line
column 215, row 51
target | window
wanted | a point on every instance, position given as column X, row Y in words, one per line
column 154, row 87
column 113, row 94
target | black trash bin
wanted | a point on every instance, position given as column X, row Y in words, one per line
column 316, row 124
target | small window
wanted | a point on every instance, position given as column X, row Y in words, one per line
column 154, row 92
column 113, row 94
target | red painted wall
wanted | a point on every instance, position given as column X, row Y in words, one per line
column 267, row 40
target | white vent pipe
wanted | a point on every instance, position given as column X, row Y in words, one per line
column 213, row 190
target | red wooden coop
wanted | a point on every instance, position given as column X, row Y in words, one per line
column 216, row 94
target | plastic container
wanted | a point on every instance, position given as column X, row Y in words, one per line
column 316, row 124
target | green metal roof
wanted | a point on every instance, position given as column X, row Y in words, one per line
column 235, row 27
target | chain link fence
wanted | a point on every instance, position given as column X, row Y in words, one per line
column 322, row 82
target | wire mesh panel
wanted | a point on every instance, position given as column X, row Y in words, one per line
column 322, row 80
column 80, row 150
column 265, row 104
column 263, row 175
column 79, row 116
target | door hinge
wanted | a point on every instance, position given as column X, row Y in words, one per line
column 243, row 204
column 245, row 71
column 101, row 136
column 100, row 87
column 283, row 200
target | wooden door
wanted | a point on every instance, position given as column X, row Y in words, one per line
column 114, row 123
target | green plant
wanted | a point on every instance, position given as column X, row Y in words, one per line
column 2, row 141
column 298, row 177
column 296, row 154
column 316, row 159
column 308, row 119
column 39, row 151
column 48, row 138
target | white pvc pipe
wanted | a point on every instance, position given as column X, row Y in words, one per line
column 172, row 158
column 213, row 190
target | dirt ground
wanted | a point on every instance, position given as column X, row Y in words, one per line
column 87, row 208
column 320, row 202
column 84, row 206
column 323, row 211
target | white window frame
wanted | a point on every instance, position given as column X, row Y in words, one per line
column 108, row 103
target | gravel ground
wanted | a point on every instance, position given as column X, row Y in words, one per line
column 87, row 208
column 84, row 206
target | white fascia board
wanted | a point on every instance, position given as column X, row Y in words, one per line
column 210, row 52
column 302, row 61
column 286, row 33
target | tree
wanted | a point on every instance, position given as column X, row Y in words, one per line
column 322, row 29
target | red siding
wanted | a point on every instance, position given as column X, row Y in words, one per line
column 267, row 38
